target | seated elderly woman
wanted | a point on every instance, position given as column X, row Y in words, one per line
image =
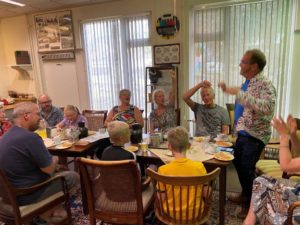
column 125, row 111
column 271, row 197
column 163, row 117
column 5, row 124
column 71, row 117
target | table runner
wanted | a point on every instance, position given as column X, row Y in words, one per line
column 196, row 153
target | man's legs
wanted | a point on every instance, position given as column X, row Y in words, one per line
column 247, row 154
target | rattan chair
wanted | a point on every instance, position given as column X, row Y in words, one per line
column 114, row 191
column 12, row 213
column 95, row 118
column 179, row 192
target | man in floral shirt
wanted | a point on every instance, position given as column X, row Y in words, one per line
column 254, row 110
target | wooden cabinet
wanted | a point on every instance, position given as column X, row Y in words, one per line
column 165, row 78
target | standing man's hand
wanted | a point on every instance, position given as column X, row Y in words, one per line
column 229, row 90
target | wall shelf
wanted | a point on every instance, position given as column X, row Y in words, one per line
column 23, row 69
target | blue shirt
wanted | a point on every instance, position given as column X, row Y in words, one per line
column 239, row 109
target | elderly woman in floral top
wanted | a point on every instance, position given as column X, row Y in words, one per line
column 163, row 117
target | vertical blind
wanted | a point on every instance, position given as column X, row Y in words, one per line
column 221, row 34
column 117, row 51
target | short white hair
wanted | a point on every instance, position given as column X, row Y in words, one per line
column 155, row 92
column 178, row 138
column 117, row 129
column 22, row 108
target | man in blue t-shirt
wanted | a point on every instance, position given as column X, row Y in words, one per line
column 24, row 158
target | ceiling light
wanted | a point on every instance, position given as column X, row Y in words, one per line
column 13, row 2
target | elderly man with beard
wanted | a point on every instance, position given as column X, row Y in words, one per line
column 50, row 113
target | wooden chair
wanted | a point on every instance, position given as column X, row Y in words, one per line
column 12, row 213
column 114, row 191
column 179, row 193
column 95, row 118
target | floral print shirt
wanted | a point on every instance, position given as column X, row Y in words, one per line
column 165, row 121
column 259, row 105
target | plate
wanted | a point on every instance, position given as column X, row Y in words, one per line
column 64, row 145
column 168, row 153
column 224, row 144
column 132, row 148
column 224, row 156
column 199, row 139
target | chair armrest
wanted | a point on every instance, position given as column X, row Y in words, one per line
column 25, row 191
column 291, row 209
column 146, row 183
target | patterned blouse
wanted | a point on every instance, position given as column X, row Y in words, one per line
column 165, row 121
column 259, row 105
column 126, row 116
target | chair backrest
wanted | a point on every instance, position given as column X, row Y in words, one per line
column 180, row 200
column 9, row 210
column 113, row 189
column 230, row 109
column 95, row 118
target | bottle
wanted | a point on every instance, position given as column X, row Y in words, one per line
column 136, row 134
column 83, row 130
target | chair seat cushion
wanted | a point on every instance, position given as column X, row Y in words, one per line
column 103, row 203
column 269, row 167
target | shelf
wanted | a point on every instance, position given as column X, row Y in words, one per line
column 23, row 67
column 23, row 70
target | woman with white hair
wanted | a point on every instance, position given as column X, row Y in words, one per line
column 163, row 117
column 125, row 112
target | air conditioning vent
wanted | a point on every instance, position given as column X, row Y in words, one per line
column 58, row 56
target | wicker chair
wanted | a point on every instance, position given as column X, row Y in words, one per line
column 114, row 191
column 12, row 213
column 95, row 118
column 197, row 210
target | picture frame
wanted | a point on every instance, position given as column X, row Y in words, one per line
column 54, row 31
column 166, row 54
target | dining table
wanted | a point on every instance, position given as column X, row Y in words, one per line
column 146, row 158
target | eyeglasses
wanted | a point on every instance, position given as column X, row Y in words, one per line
column 246, row 62
column 37, row 113
column 46, row 102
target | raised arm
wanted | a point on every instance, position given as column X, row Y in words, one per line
column 109, row 117
column 187, row 95
column 138, row 116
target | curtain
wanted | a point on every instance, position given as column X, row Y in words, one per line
column 221, row 34
column 117, row 51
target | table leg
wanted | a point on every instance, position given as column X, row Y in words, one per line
column 222, row 195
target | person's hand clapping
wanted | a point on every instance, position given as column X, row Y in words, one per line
column 228, row 90
column 205, row 84
column 282, row 128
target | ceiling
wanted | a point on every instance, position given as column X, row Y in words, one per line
column 34, row 6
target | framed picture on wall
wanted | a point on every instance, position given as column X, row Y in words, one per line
column 166, row 54
column 54, row 31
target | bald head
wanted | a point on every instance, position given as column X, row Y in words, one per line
column 27, row 115
column 118, row 132
column 45, row 103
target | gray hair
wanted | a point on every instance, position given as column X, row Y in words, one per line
column 117, row 129
column 178, row 138
column 71, row 108
column 258, row 57
column 155, row 92
column 212, row 91
column 124, row 91
column 22, row 108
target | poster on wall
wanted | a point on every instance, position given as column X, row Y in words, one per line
column 166, row 54
column 167, row 25
column 54, row 31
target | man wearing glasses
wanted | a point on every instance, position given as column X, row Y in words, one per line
column 51, row 114
column 254, row 110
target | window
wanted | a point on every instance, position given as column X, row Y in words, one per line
column 117, row 51
column 221, row 34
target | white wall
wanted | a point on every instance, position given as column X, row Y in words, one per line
column 14, row 37
column 3, row 67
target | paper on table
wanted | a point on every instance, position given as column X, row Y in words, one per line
column 196, row 153
column 95, row 137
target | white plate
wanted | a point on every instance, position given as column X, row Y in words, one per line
column 64, row 145
column 223, row 156
column 131, row 148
